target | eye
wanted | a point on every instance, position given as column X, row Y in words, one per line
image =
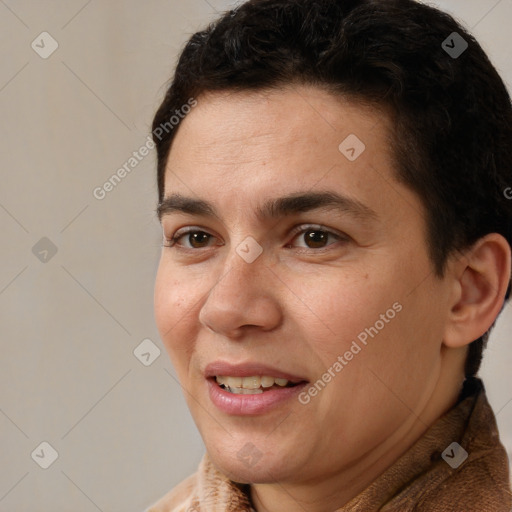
column 316, row 237
column 196, row 239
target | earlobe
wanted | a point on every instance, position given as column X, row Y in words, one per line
column 481, row 275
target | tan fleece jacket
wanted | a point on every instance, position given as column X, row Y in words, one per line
column 421, row 480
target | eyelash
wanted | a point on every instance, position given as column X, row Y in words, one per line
column 171, row 242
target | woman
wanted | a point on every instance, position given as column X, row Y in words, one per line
column 336, row 250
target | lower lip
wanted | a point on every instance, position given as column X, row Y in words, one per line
column 251, row 405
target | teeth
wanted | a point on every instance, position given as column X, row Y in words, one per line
column 251, row 382
column 249, row 385
column 267, row 382
column 232, row 382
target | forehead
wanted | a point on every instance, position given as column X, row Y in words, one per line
column 243, row 120
column 235, row 148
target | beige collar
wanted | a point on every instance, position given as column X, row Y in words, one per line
column 420, row 480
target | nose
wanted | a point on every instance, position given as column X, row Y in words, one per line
column 244, row 298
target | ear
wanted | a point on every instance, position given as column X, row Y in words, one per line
column 481, row 277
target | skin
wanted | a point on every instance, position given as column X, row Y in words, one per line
column 299, row 306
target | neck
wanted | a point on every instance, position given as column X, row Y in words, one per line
column 333, row 491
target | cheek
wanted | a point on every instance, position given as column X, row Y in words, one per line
column 340, row 307
column 173, row 302
column 371, row 317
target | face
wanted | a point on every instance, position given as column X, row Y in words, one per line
column 291, row 252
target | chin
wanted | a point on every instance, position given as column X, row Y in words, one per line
column 248, row 465
column 243, row 474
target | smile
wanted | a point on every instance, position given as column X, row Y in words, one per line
column 252, row 385
column 251, row 388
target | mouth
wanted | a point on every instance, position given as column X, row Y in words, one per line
column 253, row 385
column 250, row 388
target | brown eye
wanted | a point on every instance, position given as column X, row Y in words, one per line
column 312, row 237
column 198, row 239
column 194, row 239
column 315, row 238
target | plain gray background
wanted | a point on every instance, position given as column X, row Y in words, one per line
column 70, row 321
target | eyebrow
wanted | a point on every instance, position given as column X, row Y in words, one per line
column 273, row 208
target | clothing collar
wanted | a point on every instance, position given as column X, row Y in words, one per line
column 433, row 475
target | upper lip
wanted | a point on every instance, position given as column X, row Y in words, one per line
column 250, row 369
